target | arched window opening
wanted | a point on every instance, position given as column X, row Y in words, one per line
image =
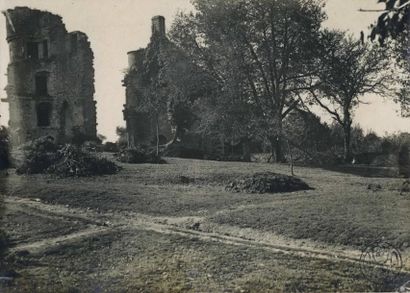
column 43, row 114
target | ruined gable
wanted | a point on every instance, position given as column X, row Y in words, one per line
column 50, row 78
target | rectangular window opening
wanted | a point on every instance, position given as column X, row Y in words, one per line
column 32, row 50
column 41, row 85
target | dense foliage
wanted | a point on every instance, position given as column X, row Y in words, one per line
column 394, row 21
column 43, row 156
column 392, row 29
column 261, row 56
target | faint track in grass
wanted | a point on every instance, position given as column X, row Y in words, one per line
column 97, row 225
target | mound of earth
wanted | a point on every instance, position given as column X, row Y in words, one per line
column 267, row 182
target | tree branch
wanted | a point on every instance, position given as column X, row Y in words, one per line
column 334, row 113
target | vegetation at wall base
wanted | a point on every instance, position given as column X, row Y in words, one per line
column 139, row 155
column 42, row 156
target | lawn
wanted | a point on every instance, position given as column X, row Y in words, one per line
column 339, row 214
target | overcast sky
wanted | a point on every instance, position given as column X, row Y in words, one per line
column 116, row 27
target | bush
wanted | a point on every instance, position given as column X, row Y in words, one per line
column 73, row 161
column 180, row 151
column 38, row 155
column 42, row 156
column 110, row 147
column 139, row 156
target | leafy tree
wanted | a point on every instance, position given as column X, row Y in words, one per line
column 393, row 21
column 122, row 136
column 350, row 70
column 306, row 133
column 372, row 143
column 393, row 29
column 186, row 83
column 273, row 43
column 168, row 85
column 154, row 99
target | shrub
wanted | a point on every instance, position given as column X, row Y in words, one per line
column 43, row 156
column 73, row 161
column 139, row 156
column 38, row 155
column 180, row 151
column 110, row 147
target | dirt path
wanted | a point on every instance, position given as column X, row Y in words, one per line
column 197, row 227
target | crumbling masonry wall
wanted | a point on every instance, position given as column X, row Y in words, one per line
column 50, row 78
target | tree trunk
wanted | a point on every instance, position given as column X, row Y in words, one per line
column 157, row 128
column 276, row 142
column 347, row 131
column 290, row 157
column 175, row 137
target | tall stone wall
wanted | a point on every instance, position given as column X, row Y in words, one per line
column 50, row 78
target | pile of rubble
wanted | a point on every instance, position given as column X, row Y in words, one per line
column 42, row 156
column 267, row 182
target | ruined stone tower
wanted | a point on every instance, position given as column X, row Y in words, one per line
column 140, row 123
column 50, row 78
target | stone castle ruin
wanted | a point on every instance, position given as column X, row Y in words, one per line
column 50, row 78
column 156, row 73
column 141, row 125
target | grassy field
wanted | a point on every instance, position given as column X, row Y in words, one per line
column 164, row 234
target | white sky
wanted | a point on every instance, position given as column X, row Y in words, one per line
column 116, row 27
